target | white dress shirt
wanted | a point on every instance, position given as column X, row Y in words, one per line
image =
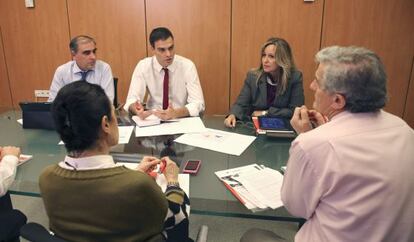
column 184, row 85
column 69, row 72
column 353, row 179
column 7, row 172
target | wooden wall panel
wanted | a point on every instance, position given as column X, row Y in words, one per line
column 383, row 26
column 119, row 30
column 252, row 24
column 201, row 31
column 35, row 43
column 409, row 103
column 5, row 95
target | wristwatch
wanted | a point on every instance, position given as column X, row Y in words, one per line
column 173, row 183
column 264, row 112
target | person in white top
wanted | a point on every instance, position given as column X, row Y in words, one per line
column 171, row 80
column 84, row 66
column 11, row 220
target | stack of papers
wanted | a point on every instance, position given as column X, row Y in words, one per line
column 148, row 121
column 256, row 186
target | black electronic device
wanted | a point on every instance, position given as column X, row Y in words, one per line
column 192, row 166
column 37, row 115
column 276, row 127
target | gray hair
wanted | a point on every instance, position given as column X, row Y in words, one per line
column 74, row 43
column 357, row 73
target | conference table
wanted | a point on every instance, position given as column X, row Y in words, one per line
column 208, row 196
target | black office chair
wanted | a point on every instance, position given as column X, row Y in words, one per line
column 35, row 232
column 116, row 104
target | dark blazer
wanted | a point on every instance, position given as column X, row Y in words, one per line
column 253, row 96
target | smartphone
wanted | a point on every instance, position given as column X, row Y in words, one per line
column 192, row 166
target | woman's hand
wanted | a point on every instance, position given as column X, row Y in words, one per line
column 148, row 164
column 230, row 121
column 171, row 170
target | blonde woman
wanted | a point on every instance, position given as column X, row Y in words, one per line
column 274, row 89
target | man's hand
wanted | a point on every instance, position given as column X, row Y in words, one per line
column 230, row 121
column 316, row 118
column 304, row 120
column 9, row 150
column 167, row 114
column 300, row 120
column 148, row 164
column 137, row 109
column 171, row 170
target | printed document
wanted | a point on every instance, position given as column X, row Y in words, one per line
column 255, row 186
column 125, row 134
column 217, row 140
column 178, row 126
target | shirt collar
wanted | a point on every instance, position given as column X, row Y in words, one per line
column 88, row 163
column 76, row 68
column 159, row 68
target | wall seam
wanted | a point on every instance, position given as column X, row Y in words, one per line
column 322, row 24
column 410, row 83
column 231, row 47
column 67, row 14
column 7, row 69
column 146, row 28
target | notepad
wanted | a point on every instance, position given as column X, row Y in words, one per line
column 148, row 121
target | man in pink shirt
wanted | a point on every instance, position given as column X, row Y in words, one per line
column 350, row 171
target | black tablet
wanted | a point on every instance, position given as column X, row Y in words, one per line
column 274, row 123
column 276, row 127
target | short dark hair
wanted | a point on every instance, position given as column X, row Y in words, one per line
column 160, row 33
column 77, row 111
column 358, row 74
column 74, row 43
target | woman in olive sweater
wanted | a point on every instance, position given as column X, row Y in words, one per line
column 90, row 198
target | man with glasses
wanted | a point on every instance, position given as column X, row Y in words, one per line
column 84, row 66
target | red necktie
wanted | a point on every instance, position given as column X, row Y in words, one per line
column 165, row 90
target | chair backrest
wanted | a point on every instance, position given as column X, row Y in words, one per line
column 35, row 232
column 116, row 92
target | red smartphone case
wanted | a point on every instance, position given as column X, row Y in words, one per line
column 191, row 168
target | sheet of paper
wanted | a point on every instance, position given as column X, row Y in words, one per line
column 23, row 158
column 20, row 121
column 181, row 126
column 148, row 121
column 125, row 134
column 217, row 140
column 264, row 185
